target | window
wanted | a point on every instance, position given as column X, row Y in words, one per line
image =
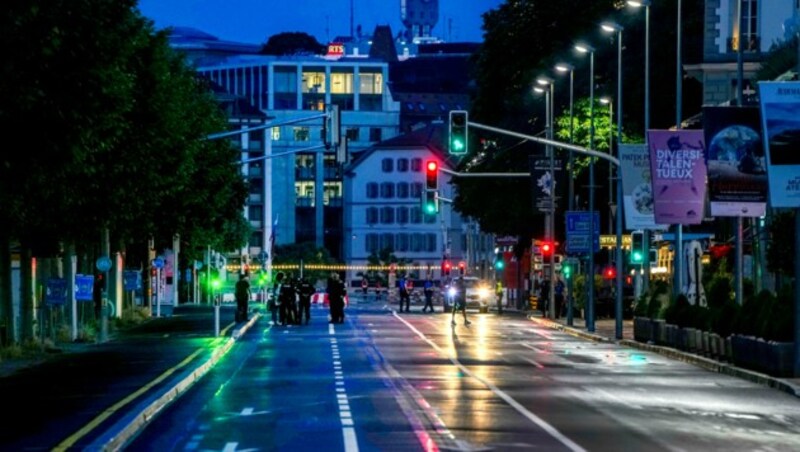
column 417, row 242
column 402, row 215
column 372, row 215
column 372, row 190
column 416, row 164
column 341, row 83
column 387, row 215
column 430, row 219
column 371, row 83
column 402, row 165
column 375, row 134
column 416, row 215
column 285, row 81
column 749, row 25
column 373, row 244
column 301, row 134
column 276, row 133
column 402, row 190
column 430, row 244
column 387, row 190
column 401, row 242
column 314, row 82
column 387, row 165
column 352, row 134
column 416, row 189
column 387, row 241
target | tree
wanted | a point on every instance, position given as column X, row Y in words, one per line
column 308, row 253
column 293, row 43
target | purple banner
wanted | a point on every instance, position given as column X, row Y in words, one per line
column 678, row 171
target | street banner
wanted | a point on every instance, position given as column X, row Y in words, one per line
column 542, row 181
column 780, row 117
column 678, row 171
column 637, row 190
column 737, row 167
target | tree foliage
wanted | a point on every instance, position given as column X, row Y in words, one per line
column 523, row 40
column 293, row 43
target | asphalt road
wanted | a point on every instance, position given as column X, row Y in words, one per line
column 387, row 381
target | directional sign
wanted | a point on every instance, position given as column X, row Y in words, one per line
column 56, row 291
column 132, row 280
column 579, row 238
column 84, row 284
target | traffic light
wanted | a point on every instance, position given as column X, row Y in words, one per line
column 446, row 266
column 498, row 262
column 637, row 247
column 566, row 269
column 430, row 202
column 610, row 272
column 546, row 248
column 458, row 132
column 432, row 175
column 462, row 267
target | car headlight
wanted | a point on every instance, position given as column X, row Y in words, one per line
column 483, row 292
column 451, row 291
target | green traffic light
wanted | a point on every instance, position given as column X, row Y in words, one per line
column 636, row 256
column 567, row 270
column 430, row 208
column 458, row 145
column 499, row 265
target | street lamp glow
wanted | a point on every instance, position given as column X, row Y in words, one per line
column 538, row 89
column 544, row 81
column 605, row 100
column 611, row 27
column 584, row 48
column 564, row 67
column 638, row 3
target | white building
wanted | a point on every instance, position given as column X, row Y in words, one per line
column 383, row 189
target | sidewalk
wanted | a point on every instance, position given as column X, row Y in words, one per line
column 95, row 396
column 605, row 331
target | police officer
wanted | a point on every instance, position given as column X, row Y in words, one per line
column 304, row 292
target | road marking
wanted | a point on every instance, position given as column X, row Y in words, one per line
column 534, row 363
column 498, row 392
column 247, row 411
column 345, row 414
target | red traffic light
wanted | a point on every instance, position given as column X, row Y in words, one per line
column 462, row 265
column 547, row 248
column 432, row 175
column 610, row 273
column 432, row 165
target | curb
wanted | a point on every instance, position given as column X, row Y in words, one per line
column 117, row 436
column 689, row 358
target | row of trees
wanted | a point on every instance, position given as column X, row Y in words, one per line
column 110, row 130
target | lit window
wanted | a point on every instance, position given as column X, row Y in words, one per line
column 371, row 83
column 341, row 83
column 276, row 133
column 301, row 134
column 314, row 82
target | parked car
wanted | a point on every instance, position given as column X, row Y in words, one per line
column 479, row 294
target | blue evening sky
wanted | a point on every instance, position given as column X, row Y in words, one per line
column 253, row 21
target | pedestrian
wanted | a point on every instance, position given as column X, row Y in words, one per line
column 242, row 295
column 304, row 292
column 364, row 286
column 427, row 289
column 545, row 296
column 498, row 294
column 275, row 298
column 336, row 293
column 287, row 297
column 460, row 300
column 405, row 298
column 559, row 297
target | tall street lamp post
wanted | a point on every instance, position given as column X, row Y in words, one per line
column 616, row 28
column 585, row 48
column 550, row 217
column 646, row 5
column 678, row 266
column 610, row 102
column 565, row 67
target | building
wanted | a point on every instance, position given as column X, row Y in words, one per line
column 383, row 189
column 761, row 25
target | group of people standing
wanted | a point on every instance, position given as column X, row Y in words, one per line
column 290, row 302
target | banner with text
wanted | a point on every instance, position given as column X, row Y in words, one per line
column 678, row 171
column 637, row 191
column 737, row 167
column 543, row 180
column 780, row 117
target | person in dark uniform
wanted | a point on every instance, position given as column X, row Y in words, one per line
column 405, row 297
column 428, row 291
column 275, row 299
column 460, row 301
column 242, row 294
column 304, row 292
column 336, row 292
column 288, row 312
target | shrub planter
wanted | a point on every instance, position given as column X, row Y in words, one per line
column 642, row 329
column 728, row 349
column 706, row 343
column 780, row 362
column 690, row 339
column 659, row 331
column 698, row 340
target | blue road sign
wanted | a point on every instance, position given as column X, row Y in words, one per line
column 132, row 280
column 578, row 232
column 83, row 287
column 56, row 291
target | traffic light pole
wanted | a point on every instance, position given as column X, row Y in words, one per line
column 582, row 150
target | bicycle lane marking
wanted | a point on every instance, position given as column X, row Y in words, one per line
column 345, row 414
column 541, row 423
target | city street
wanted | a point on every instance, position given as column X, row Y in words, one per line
column 388, row 381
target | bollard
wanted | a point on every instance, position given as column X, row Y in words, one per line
column 216, row 319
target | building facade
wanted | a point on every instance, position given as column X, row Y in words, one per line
column 760, row 25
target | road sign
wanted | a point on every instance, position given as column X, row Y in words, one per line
column 56, row 291
column 84, row 285
column 131, row 280
column 103, row 263
column 158, row 262
column 578, row 236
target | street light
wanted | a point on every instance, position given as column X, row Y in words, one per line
column 551, row 210
column 585, row 48
column 616, row 28
column 606, row 100
column 566, row 67
column 646, row 4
